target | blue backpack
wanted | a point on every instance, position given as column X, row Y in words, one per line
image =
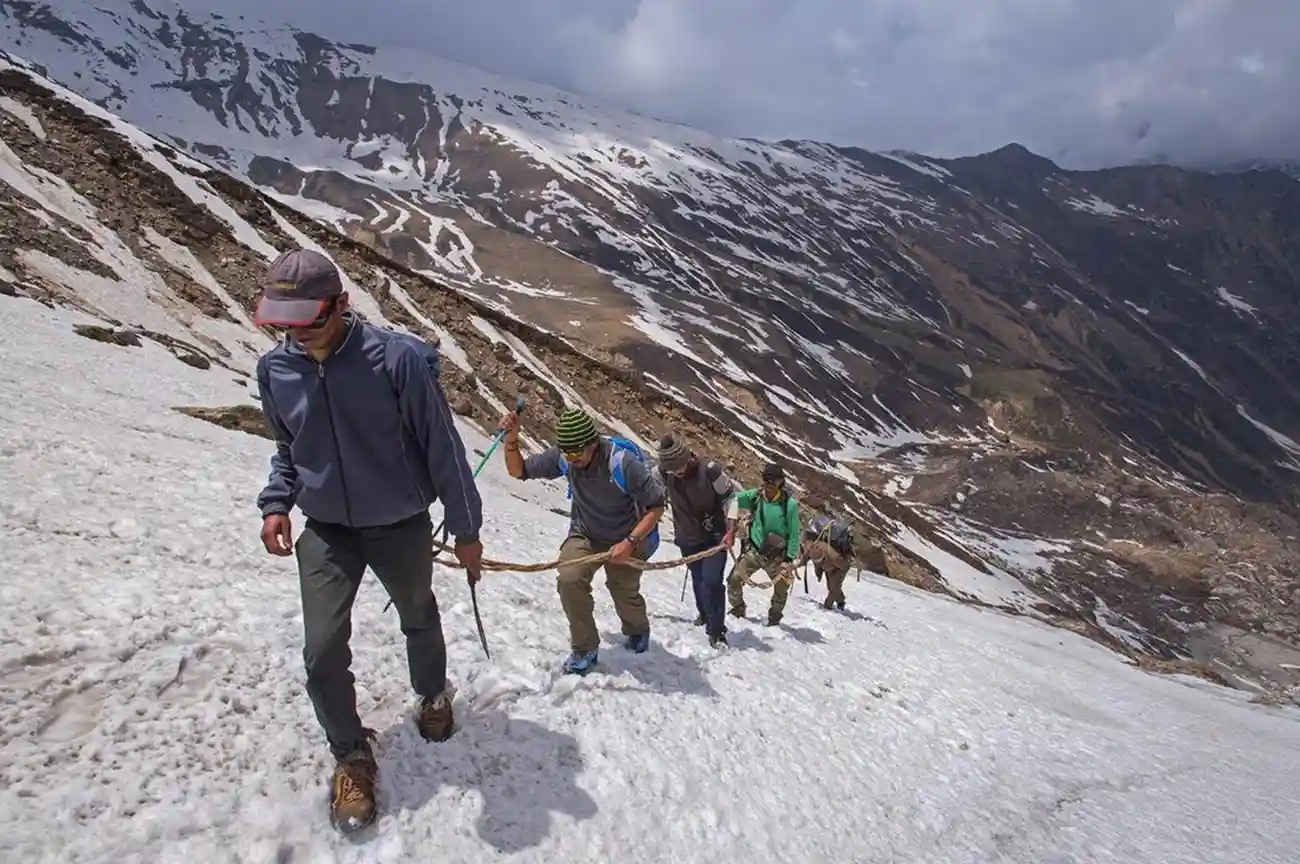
column 620, row 449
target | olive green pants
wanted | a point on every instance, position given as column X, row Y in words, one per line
column 749, row 564
column 574, row 586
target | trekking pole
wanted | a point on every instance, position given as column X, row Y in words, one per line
column 496, row 440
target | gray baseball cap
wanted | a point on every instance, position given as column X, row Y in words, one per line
column 296, row 288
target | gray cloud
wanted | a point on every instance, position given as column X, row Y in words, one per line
column 1085, row 82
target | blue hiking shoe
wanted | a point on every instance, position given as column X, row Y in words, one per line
column 580, row 662
column 639, row 643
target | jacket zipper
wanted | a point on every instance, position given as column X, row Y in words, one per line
column 338, row 453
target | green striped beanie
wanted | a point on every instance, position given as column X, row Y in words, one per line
column 574, row 430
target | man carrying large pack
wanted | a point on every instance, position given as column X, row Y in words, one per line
column 617, row 503
column 771, row 545
column 828, row 543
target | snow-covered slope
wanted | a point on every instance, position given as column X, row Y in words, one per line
column 153, row 709
column 108, row 219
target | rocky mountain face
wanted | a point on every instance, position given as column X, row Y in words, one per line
column 1082, row 384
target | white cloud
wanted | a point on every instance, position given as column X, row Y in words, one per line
column 1081, row 81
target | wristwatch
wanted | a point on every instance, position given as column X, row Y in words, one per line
column 633, row 539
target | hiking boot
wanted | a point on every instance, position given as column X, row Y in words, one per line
column 435, row 720
column 699, row 620
column 773, row 619
column 718, row 641
column 639, row 643
column 737, row 611
column 839, row 604
column 580, row 662
column 352, row 798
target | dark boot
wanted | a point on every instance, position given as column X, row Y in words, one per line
column 718, row 641
column 773, row 618
column 699, row 620
column 352, row 798
column 435, row 720
column 737, row 611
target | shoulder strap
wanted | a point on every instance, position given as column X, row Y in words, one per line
column 616, row 457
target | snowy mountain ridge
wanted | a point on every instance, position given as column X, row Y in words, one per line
column 775, row 274
column 981, row 338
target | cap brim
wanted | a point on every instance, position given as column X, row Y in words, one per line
column 287, row 313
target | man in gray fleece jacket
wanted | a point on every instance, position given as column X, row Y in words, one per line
column 616, row 508
column 364, row 444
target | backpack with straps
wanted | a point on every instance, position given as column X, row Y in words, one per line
column 620, row 449
column 837, row 532
column 816, row 527
column 840, row 536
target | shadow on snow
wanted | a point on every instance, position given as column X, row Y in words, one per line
column 522, row 771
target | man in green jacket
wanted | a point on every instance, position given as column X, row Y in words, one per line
column 771, row 545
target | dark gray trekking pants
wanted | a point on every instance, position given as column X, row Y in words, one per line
column 331, row 562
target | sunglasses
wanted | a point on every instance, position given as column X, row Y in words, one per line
column 323, row 318
column 326, row 313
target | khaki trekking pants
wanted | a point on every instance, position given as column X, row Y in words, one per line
column 574, row 586
column 830, row 563
column 749, row 564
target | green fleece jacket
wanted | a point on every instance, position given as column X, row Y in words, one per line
column 771, row 517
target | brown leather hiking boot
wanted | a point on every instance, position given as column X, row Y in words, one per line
column 352, row 802
column 435, row 720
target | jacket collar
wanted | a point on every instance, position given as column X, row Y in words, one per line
column 294, row 349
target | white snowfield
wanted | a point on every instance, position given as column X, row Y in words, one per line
column 152, row 705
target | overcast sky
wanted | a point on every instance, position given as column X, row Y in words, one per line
column 1085, row 82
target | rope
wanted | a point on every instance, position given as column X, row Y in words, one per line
column 597, row 558
column 784, row 573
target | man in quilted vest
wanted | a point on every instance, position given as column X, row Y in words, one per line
column 771, row 545
column 702, row 497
